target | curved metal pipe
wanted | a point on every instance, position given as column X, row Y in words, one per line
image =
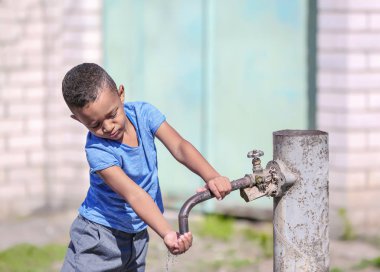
column 183, row 215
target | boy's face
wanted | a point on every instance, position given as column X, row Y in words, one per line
column 105, row 116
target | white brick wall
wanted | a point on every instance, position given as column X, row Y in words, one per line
column 348, row 107
column 39, row 41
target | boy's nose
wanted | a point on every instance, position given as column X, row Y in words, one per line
column 107, row 127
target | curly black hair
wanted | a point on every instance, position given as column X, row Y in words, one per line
column 82, row 84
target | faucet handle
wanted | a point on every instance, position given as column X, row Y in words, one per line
column 255, row 154
column 256, row 162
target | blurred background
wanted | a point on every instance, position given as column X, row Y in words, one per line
column 225, row 73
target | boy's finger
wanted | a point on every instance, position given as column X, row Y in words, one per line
column 185, row 246
column 201, row 189
column 214, row 190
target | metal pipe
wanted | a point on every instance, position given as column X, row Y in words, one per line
column 183, row 215
column 300, row 219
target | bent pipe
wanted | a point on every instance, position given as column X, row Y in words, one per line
column 183, row 215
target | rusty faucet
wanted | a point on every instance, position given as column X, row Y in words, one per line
column 271, row 181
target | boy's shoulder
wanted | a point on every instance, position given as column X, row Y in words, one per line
column 140, row 108
column 138, row 105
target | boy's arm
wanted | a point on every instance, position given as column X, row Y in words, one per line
column 189, row 156
column 144, row 206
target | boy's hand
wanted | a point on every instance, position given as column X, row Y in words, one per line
column 178, row 244
column 219, row 186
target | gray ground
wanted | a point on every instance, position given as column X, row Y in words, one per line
column 207, row 254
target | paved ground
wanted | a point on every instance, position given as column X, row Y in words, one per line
column 207, row 254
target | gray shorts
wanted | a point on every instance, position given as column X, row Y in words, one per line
column 94, row 247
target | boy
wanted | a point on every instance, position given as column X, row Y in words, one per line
column 124, row 197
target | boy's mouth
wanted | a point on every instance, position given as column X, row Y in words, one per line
column 114, row 134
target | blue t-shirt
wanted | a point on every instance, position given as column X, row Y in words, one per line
column 102, row 205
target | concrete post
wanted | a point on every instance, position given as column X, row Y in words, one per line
column 300, row 223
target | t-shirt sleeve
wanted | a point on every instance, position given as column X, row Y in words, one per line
column 154, row 117
column 100, row 157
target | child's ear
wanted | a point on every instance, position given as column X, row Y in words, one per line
column 121, row 93
column 75, row 118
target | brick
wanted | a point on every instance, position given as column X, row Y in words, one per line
column 66, row 139
column 13, row 159
column 348, row 80
column 348, row 140
column 342, row 101
column 363, row 199
column 374, row 101
column 328, row 120
column 342, row 61
column 2, row 143
column 374, row 179
column 63, row 172
column 35, row 93
column 374, row 60
column 33, row 60
column 12, row 191
column 356, row 101
column 63, row 122
column 84, row 39
column 342, row 21
column 83, row 21
column 11, row 59
column 92, row 55
column 54, row 32
column 356, row 41
column 88, row 5
column 374, row 139
column 34, row 29
column 23, row 207
column 37, row 157
column 68, row 156
column 328, row 5
column 35, row 125
column 363, row 80
column 337, row 198
column 2, row 111
column 28, row 174
column 55, row 61
column 32, row 46
column 26, row 142
column 26, row 110
column 54, row 11
column 374, row 21
column 2, row 177
column 11, row 94
column 363, row 120
column 363, row 5
column 358, row 217
column 348, row 180
column 372, row 228
column 7, row 36
column 11, row 127
column 4, row 209
column 329, row 80
column 27, row 77
column 355, row 161
column 36, row 188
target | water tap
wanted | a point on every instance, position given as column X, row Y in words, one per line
column 256, row 162
column 271, row 181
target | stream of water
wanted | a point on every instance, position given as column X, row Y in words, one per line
column 170, row 261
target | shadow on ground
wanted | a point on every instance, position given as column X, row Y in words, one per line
column 220, row 244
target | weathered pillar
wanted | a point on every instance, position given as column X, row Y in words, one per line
column 300, row 223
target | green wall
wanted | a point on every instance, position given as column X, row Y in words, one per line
column 225, row 73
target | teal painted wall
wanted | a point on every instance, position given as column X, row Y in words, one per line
column 225, row 73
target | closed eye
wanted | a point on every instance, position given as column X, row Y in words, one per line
column 95, row 125
column 113, row 115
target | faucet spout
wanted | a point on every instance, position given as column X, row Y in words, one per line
column 245, row 182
